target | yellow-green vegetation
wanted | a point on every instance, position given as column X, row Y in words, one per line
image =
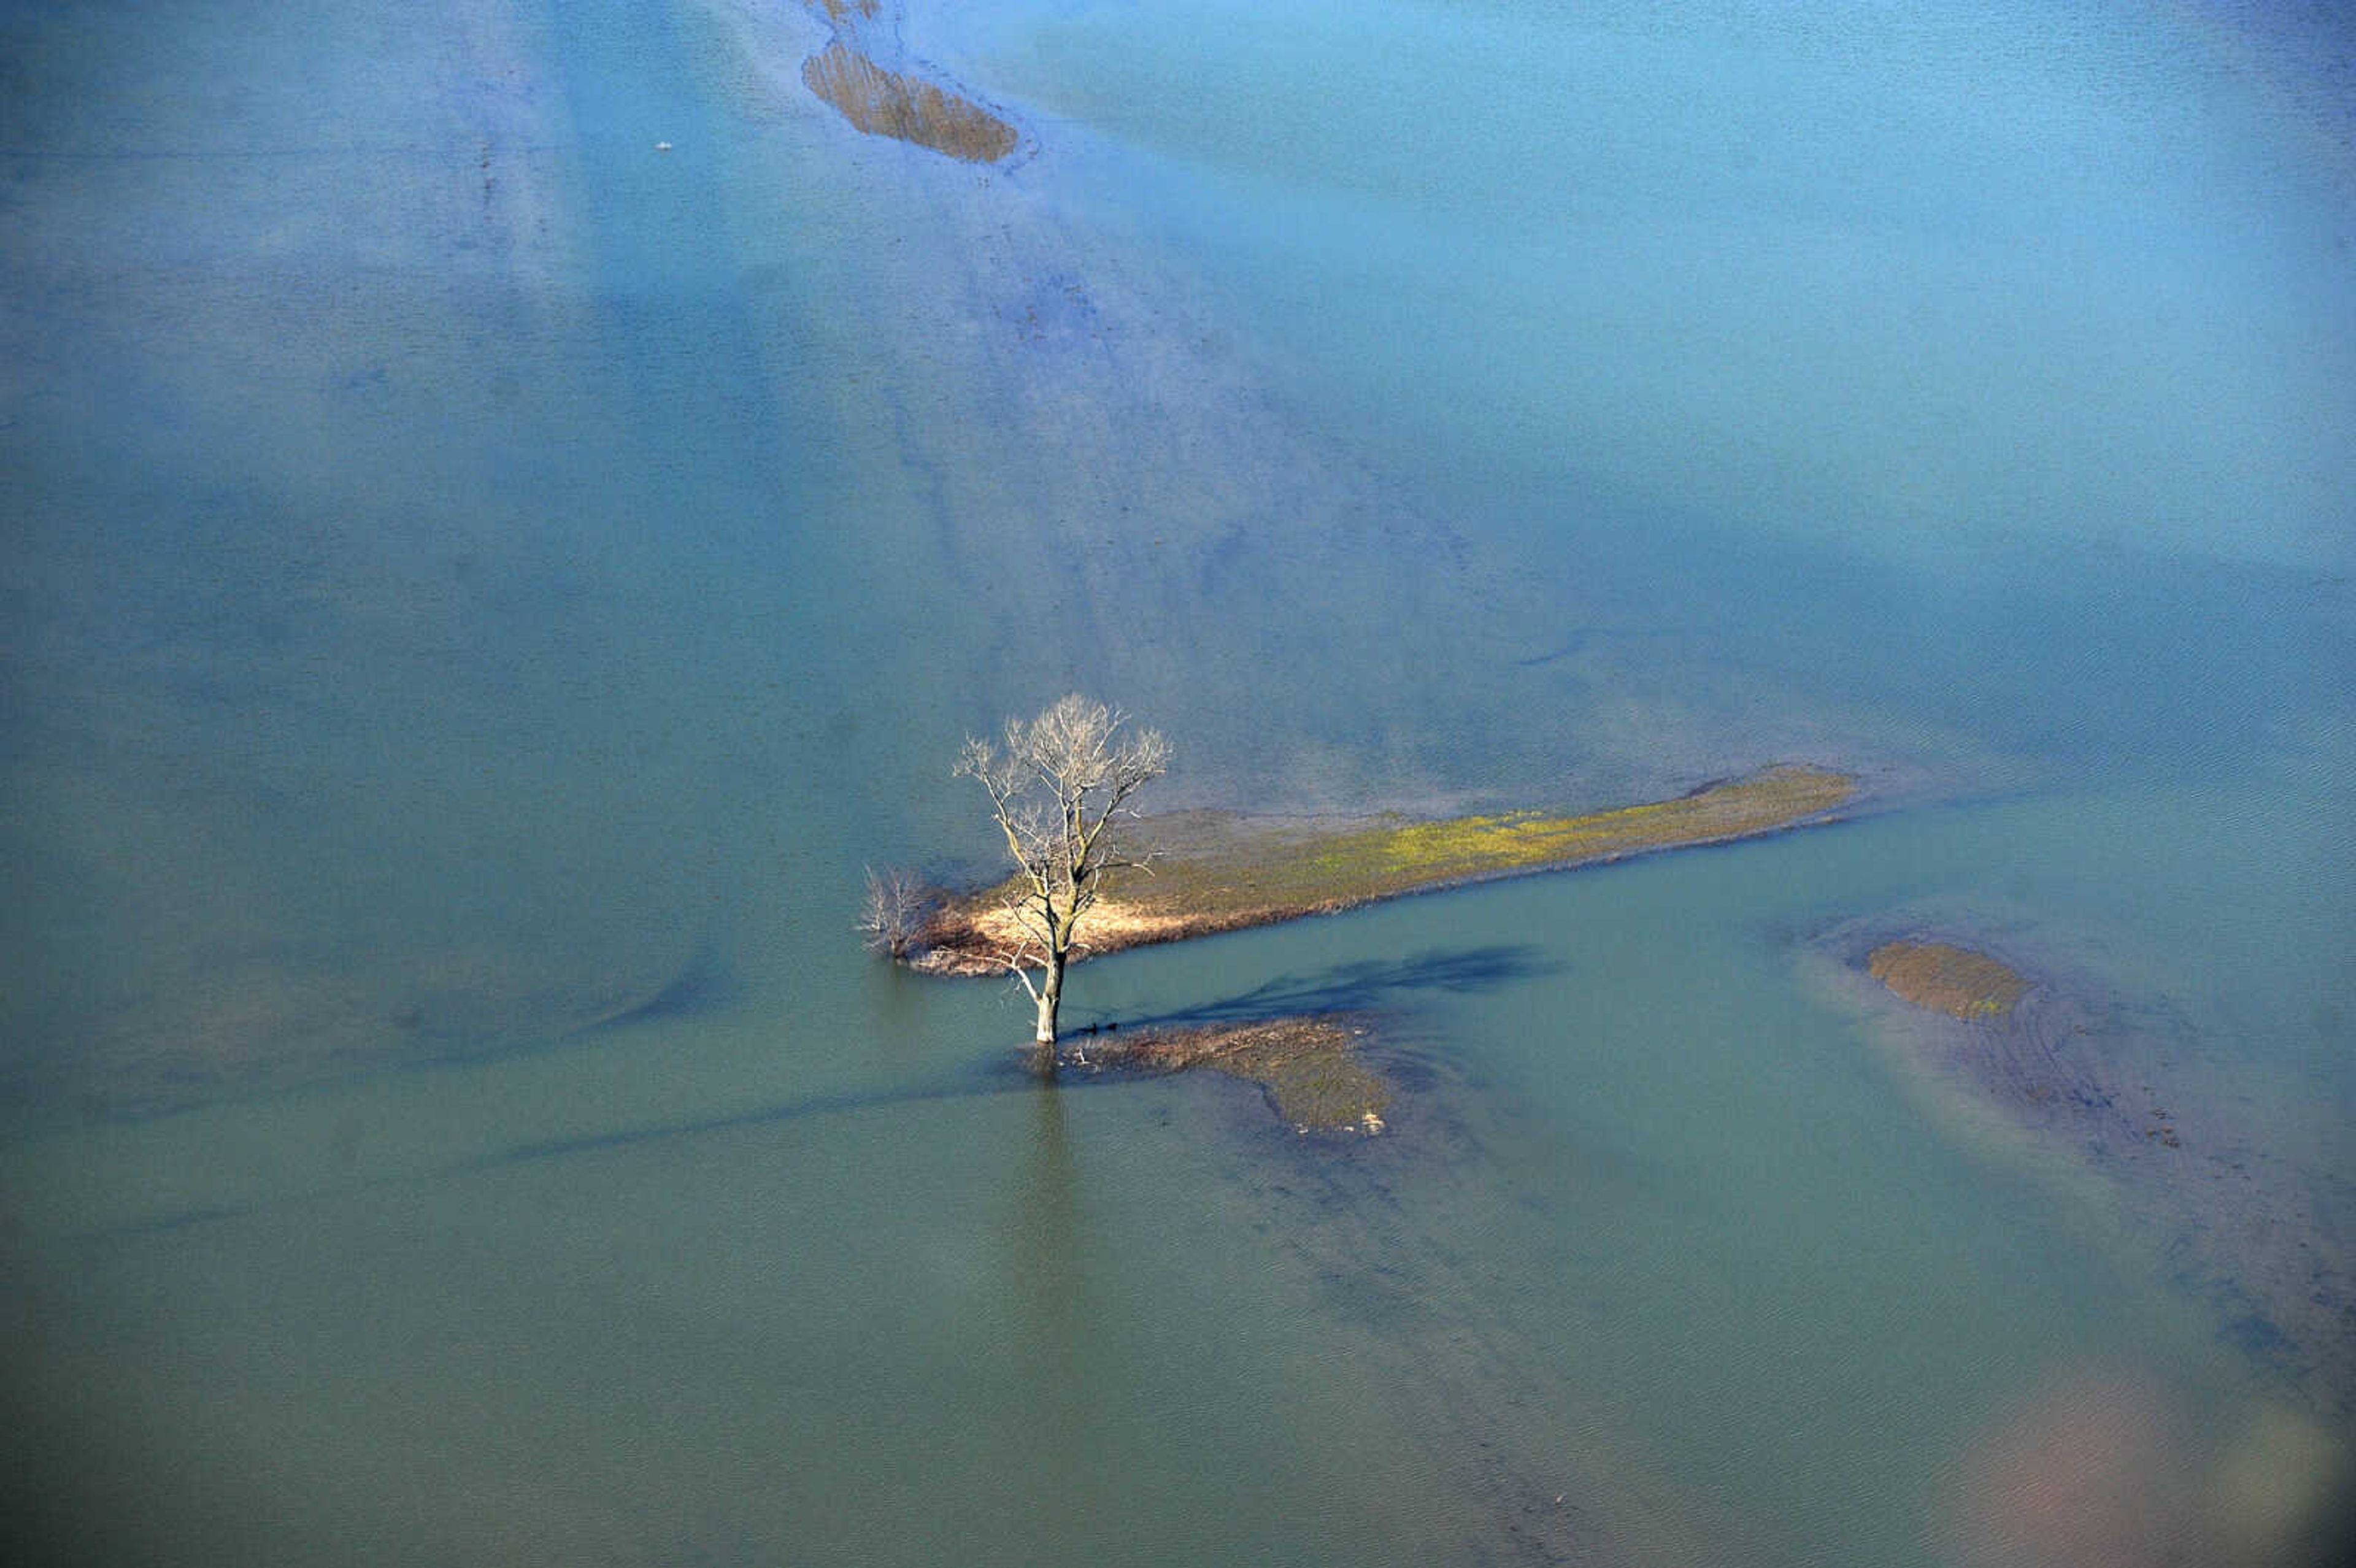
column 1947, row 980
column 1220, row 873
column 885, row 103
column 1309, row 1066
column 1463, row 847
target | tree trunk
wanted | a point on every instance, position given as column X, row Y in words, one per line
column 1051, row 997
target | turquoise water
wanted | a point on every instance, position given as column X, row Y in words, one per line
column 480, row 587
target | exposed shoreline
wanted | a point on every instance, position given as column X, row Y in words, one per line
column 1222, row 873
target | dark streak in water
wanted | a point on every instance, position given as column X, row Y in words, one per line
column 703, row 983
column 1585, row 638
column 1007, row 1077
column 1347, row 987
column 182, row 1221
column 1363, row 987
column 1344, row 988
column 1010, row 1079
column 704, row 986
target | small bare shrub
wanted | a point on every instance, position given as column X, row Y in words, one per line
column 893, row 914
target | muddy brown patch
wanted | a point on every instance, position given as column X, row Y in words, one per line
column 1944, row 978
column 885, row 103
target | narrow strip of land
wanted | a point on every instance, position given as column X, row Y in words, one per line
column 1227, row 873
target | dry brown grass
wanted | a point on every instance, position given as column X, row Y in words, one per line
column 885, row 103
column 1947, row 980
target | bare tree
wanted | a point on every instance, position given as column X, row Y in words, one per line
column 893, row 914
column 1059, row 787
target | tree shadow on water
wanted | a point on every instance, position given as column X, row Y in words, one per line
column 1364, row 987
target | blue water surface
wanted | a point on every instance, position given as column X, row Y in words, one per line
column 512, row 506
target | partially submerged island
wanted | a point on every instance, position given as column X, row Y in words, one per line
column 1945, row 978
column 1309, row 1068
column 1218, row 873
column 2084, row 1074
column 901, row 104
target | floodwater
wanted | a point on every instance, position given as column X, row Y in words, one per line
column 511, row 507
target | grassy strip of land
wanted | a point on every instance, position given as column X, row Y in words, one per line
column 1223, row 873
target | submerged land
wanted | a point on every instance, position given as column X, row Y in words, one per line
column 2081, row 1072
column 903, row 103
column 1309, row 1067
column 1947, row 980
column 1217, row 873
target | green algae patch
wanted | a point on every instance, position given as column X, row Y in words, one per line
column 1945, row 978
column 885, row 103
column 1309, row 1067
column 1226, row 873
